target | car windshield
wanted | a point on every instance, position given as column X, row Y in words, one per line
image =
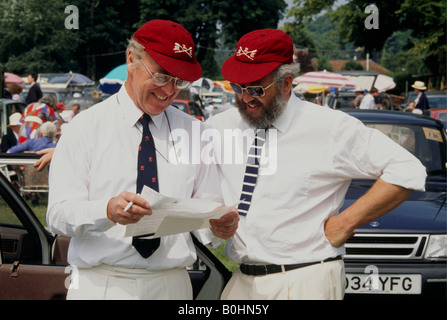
column 437, row 101
column 426, row 143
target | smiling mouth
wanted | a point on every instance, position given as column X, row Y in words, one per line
column 252, row 106
column 159, row 96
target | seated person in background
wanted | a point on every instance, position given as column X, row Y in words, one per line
column 11, row 138
column 47, row 133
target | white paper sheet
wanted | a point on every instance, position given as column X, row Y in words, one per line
column 171, row 215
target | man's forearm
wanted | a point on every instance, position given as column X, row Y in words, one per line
column 379, row 200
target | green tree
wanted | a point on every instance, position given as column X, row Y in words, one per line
column 33, row 37
column 427, row 20
column 209, row 21
column 239, row 17
column 353, row 65
column 199, row 17
column 104, row 28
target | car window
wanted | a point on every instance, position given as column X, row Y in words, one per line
column 386, row 103
column 437, row 101
column 195, row 109
column 344, row 102
column 7, row 216
column 17, row 243
column 399, row 134
column 426, row 143
column 180, row 106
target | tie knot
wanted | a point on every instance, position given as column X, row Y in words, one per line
column 145, row 119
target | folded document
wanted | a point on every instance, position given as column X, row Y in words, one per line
column 172, row 216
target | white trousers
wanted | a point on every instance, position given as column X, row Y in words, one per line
column 114, row 283
column 323, row 281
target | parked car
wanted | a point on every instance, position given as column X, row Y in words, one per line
column 440, row 114
column 84, row 103
column 33, row 261
column 436, row 99
column 59, row 94
column 343, row 99
column 7, row 108
column 404, row 253
column 190, row 107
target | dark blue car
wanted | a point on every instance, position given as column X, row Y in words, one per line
column 404, row 253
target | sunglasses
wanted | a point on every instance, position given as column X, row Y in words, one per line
column 254, row 91
column 160, row 79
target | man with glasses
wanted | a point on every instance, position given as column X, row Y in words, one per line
column 96, row 172
column 290, row 237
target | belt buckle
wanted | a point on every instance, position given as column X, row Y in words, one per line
column 266, row 270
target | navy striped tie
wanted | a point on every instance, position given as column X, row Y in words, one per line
column 251, row 172
column 147, row 175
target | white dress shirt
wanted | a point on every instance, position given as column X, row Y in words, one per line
column 310, row 156
column 368, row 102
column 96, row 159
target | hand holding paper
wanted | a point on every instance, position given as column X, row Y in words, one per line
column 226, row 226
column 173, row 216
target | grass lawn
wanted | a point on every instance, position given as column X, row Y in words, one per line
column 219, row 252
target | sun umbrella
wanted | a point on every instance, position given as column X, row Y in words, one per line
column 118, row 73
column 309, row 88
column 11, row 78
column 113, row 81
column 204, row 84
column 384, row 83
column 225, row 84
column 324, row 78
column 81, row 80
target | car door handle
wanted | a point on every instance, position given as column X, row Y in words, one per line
column 15, row 269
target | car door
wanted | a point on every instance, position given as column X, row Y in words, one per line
column 33, row 262
column 27, row 270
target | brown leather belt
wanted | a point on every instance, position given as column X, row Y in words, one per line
column 262, row 270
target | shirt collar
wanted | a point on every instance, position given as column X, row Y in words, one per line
column 131, row 113
column 283, row 122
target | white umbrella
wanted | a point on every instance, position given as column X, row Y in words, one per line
column 324, row 78
column 384, row 83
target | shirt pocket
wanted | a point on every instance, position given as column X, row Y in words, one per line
column 177, row 180
column 288, row 191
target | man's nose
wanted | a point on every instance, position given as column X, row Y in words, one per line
column 169, row 88
column 246, row 97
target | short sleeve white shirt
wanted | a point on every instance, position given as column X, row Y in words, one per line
column 310, row 156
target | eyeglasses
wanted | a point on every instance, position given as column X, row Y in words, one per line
column 254, row 91
column 160, row 79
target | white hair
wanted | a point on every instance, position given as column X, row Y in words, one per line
column 136, row 47
column 285, row 70
column 48, row 129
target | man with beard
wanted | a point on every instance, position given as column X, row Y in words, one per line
column 290, row 237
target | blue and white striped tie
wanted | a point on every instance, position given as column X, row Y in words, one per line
column 251, row 172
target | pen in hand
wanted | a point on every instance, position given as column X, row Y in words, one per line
column 129, row 205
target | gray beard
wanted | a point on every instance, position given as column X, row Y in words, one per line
column 268, row 115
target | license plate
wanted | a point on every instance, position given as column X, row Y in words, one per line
column 383, row 283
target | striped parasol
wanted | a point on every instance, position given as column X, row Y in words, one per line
column 324, row 78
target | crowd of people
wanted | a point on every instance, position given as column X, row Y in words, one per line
column 371, row 99
column 39, row 126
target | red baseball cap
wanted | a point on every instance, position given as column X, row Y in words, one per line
column 258, row 54
column 61, row 106
column 171, row 46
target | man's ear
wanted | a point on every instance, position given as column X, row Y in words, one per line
column 288, row 80
column 130, row 57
